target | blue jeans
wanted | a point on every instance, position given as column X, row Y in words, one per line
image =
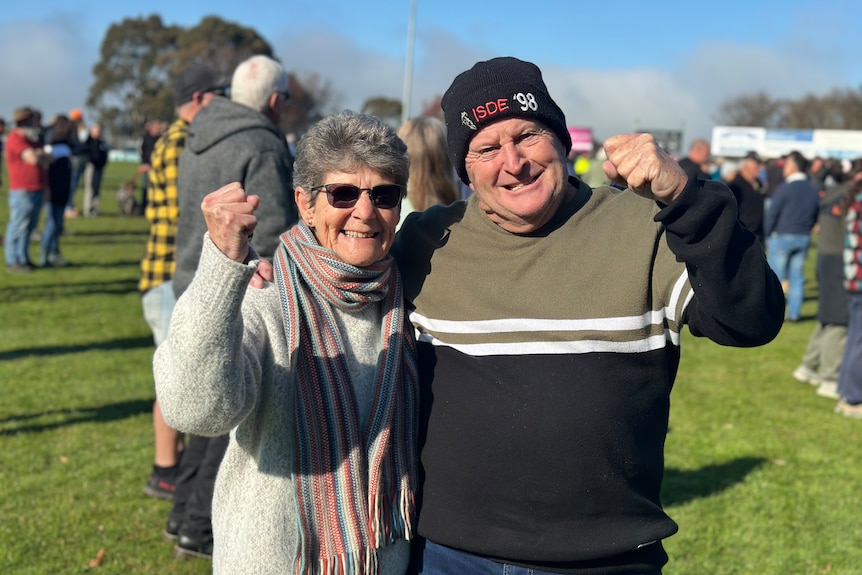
column 158, row 304
column 51, row 237
column 786, row 254
column 441, row 560
column 24, row 210
column 850, row 373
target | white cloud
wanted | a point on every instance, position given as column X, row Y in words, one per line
column 48, row 64
column 45, row 64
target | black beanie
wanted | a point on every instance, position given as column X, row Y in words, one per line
column 494, row 90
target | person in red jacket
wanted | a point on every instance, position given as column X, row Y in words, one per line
column 27, row 163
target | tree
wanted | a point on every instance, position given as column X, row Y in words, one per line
column 131, row 81
column 140, row 57
column 757, row 109
column 840, row 109
column 434, row 108
column 387, row 109
column 220, row 44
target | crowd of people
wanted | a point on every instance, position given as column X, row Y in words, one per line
column 436, row 350
column 784, row 201
column 45, row 164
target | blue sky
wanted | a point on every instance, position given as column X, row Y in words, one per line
column 613, row 66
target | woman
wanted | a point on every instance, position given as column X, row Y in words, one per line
column 314, row 375
column 432, row 177
column 60, row 141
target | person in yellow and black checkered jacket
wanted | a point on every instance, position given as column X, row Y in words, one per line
column 194, row 89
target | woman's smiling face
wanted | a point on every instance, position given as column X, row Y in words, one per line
column 361, row 235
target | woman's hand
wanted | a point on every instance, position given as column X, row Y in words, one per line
column 230, row 219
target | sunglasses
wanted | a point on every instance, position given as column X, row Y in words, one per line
column 343, row 196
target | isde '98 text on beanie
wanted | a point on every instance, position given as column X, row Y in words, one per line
column 494, row 90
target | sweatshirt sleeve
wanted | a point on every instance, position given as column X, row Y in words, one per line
column 738, row 300
column 208, row 371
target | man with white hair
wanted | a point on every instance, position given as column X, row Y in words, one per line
column 237, row 140
column 231, row 140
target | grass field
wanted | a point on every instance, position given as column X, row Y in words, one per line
column 762, row 476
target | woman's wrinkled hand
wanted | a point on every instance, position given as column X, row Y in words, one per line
column 230, row 219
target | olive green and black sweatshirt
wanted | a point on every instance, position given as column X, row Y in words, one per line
column 547, row 362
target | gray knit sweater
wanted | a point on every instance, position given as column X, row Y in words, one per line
column 225, row 368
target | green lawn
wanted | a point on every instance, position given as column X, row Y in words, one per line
column 761, row 475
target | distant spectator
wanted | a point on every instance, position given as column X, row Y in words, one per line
column 59, row 145
column 432, row 177
column 789, row 220
column 79, row 159
column 2, row 139
column 27, row 163
column 850, row 374
column 695, row 164
column 821, row 361
column 152, row 130
column 97, row 158
column 818, row 171
column 749, row 192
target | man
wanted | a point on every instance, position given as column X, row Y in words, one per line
column 821, row 361
column 694, row 164
column 236, row 140
column 97, row 157
column 26, row 163
column 548, row 316
column 152, row 132
column 749, row 193
column 2, row 139
column 194, row 88
column 80, row 158
column 790, row 218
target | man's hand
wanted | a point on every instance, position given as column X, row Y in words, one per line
column 263, row 274
column 230, row 219
column 637, row 162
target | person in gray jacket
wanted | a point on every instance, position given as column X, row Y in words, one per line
column 231, row 140
column 314, row 376
column 238, row 140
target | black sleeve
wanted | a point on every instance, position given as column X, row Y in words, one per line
column 738, row 300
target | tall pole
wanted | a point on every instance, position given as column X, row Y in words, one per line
column 408, row 65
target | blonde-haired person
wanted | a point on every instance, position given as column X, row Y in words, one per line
column 432, row 177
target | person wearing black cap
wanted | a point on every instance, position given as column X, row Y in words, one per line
column 750, row 194
column 231, row 140
column 548, row 316
column 238, row 140
column 194, row 88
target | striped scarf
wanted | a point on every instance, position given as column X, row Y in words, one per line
column 354, row 490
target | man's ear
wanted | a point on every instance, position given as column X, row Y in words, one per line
column 273, row 100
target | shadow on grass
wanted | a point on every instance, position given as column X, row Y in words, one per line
column 682, row 486
column 74, row 416
column 113, row 345
column 82, row 234
column 112, row 287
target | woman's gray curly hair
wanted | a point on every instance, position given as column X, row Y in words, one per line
column 348, row 142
